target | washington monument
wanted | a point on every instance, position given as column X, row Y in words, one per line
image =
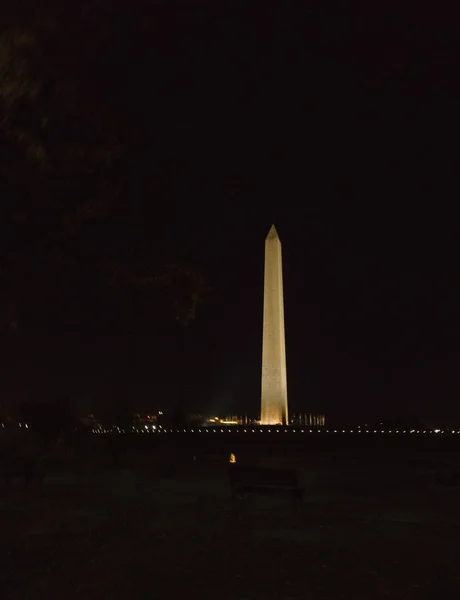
column 274, row 409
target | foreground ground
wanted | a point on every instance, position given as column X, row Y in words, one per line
column 369, row 528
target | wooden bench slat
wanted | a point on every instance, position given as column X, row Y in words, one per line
column 262, row 479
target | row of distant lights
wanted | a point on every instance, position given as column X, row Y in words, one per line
column 153, row 429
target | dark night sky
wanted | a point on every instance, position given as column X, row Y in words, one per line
column 336, row 125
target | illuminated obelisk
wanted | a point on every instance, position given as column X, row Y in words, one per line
column 274, row 408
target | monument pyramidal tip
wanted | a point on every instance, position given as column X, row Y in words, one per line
column 274, row 408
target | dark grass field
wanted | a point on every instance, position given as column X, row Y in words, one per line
column 162, row 525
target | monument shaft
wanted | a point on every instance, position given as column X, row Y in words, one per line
column 274, row 408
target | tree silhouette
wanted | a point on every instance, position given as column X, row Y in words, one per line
column 68, row 171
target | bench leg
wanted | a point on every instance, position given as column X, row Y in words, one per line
column 297, row 497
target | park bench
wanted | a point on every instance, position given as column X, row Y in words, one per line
column 22, row 467
column 245, row 480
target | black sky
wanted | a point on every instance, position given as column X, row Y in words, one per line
column 338, row 125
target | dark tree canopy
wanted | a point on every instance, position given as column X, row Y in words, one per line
column 85, row 173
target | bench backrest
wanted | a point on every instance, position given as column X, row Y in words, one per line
column 262, row 476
